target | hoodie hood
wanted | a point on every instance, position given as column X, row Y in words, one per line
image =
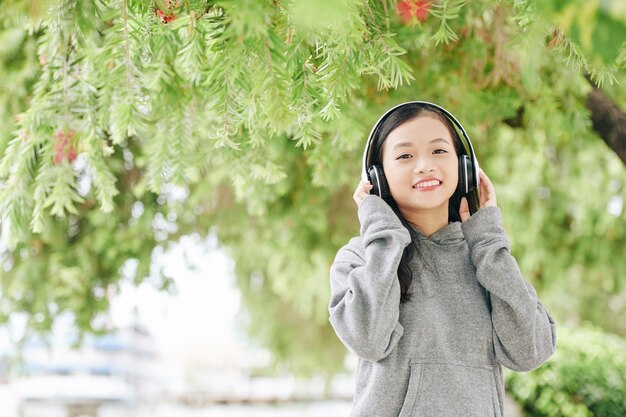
column 451, row 234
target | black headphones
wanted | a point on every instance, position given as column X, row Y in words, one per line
column 468, row 165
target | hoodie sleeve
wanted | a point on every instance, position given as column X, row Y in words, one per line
column 365, row 292
column 524, row 332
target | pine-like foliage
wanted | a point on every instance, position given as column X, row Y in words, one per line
column 127, row 123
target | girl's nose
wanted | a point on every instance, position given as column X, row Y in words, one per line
column 423, row 165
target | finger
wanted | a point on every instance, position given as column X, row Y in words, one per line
column 362, row 191
column 359, row 188
column 484, row 188
column 484, row 177
column 487, row 191
column 356, row 195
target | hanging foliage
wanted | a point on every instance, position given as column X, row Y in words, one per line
column 126, row 124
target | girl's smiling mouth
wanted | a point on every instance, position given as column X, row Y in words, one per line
column 427, row 184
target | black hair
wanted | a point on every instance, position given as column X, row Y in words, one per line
column 402, row 115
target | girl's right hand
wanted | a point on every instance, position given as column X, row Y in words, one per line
column 362, row 191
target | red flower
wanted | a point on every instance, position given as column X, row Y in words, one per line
column 165, row 18
column 64, row 149
column 413, row 9
column 169, row 16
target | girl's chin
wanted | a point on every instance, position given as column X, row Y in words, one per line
column 416, row 207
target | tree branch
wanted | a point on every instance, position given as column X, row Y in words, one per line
column 609, row 121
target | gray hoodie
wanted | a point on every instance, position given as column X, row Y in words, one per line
column 471, row 311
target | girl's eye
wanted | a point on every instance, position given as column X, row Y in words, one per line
column 440, row 151
column 404, row 156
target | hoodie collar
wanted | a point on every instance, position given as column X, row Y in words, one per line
column 447, row 235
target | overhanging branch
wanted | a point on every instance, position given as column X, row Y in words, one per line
column 609, row 121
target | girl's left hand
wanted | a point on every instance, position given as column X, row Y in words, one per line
column 487, row 197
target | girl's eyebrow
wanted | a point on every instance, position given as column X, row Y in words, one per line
column 439, row 140
column 407, row 144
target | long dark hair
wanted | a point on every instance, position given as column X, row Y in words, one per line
column 401, row 115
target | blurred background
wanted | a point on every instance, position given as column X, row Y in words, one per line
column 177, row 176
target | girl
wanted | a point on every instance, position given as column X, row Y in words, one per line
column 429, row 296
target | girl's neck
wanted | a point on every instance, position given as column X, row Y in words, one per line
column 427, row 221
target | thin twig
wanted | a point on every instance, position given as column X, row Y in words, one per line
column 386, row 14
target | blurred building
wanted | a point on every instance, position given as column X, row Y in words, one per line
column 120, row 368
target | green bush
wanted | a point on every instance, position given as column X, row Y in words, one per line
column 585, row 377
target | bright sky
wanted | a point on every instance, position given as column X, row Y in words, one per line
column 204, row 306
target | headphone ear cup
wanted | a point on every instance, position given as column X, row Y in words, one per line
column 467, row 176
column 379, row 182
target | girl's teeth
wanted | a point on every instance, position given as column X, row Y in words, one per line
column 427, row 184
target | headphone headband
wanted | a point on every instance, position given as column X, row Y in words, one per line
column 367, row 157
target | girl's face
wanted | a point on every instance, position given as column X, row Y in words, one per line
column 421, row 165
